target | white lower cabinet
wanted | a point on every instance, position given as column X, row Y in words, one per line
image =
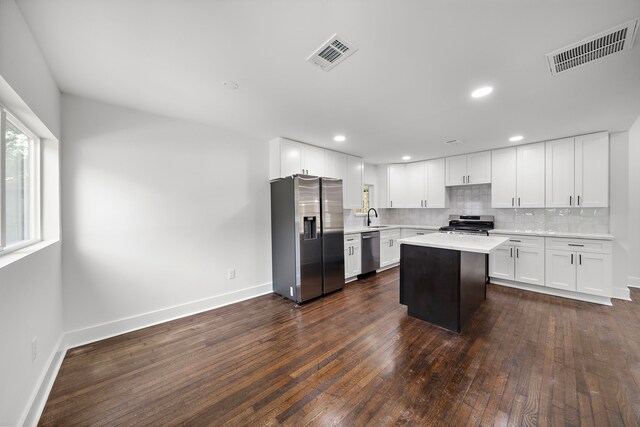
column 389, row 248
column 561, row 272
column 352, row 255
column 520, row 260
column 594, row 274
column 579, row 265
column 501, row 263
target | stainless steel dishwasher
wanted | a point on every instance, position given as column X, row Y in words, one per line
column 370, row 251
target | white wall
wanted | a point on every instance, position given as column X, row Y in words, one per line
column 25, row 70
column 155, row 211
column 634, row 204
column 30, row 306
column 619, row 210
column 30, row 285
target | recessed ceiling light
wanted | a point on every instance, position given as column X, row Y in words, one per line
column 406, row 157
column 339, row 138
column 483, row 91
column 230, row 85
column 516, row 138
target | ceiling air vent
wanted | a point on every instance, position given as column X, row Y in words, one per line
column 593, row 48
column 332, row 52
column 453, row 142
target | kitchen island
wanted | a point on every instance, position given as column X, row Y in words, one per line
column 443, row 276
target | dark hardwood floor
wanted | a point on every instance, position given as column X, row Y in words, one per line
column 355, row 358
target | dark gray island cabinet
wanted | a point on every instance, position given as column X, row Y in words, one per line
column 443, row 276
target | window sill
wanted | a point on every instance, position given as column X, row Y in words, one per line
column 11, row 257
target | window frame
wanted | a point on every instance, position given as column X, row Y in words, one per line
column 35, row 202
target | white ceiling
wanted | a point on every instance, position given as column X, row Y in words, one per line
column 405, row 92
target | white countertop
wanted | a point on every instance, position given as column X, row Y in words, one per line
column 536, row 233
column 457, row 242
column 390, row 227
column 542, row 233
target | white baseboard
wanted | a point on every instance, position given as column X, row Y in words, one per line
column 634, row 282
column 555, row 292
column 621, row 293
column 117, row 327
column 40, row 394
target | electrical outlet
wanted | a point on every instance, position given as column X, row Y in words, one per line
column 291, row 290
column 34, row 348
column 231, row 274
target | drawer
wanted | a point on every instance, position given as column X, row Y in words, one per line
column 522, row 241
column 579, row 245
column 352, row 238
column 389, row 234
column 413, row 232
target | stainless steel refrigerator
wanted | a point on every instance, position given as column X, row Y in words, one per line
column 307, row 236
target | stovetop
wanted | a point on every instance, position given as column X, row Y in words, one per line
column 469, row 224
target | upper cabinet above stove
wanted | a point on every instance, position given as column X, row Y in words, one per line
column 469, row 169
column 518, row 177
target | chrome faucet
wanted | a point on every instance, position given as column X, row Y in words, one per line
column 369, row 217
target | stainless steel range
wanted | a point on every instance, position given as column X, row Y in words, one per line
column 469, row 224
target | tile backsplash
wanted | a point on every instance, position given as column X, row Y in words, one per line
column 476, row 200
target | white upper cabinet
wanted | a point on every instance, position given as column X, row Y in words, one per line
column 353, row 185
column 456, row 170
column 313, row 160
column 577, row 172
column 469, row 169
column 287, row 157
column 503, row 179
column 479, row 168
column 436, row 195
column 290, row 158
column 383, row 187
column 335, row 164
column 397, row 186
column 592, row 170
column 415, row 185
column 531, row 176
column 518, row 177
column 560, row 173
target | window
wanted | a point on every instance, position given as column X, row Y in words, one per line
column 366, row 200
column 19, row 184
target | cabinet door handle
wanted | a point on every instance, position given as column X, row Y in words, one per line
column 517, row 253
column 515, row 241
column 468, row 179
column 575, row 244
column 513, row 201
column 391, row 203
column 464, row 179
column 580, row 259
column 571, row 259
column 419, row 234
column 349, row 250
column 425, row 203
column 518, row 201
column 578, row 200
column 510, row 252
column 570, row 201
